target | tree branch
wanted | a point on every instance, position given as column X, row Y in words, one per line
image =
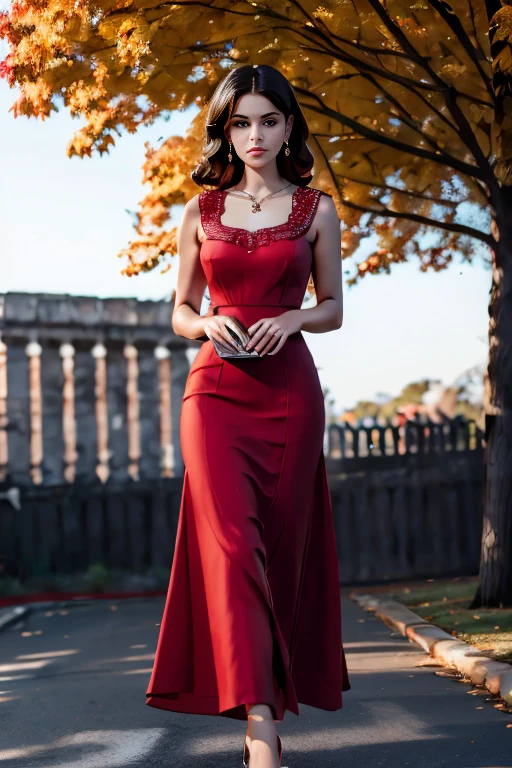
column 461, row 229
column 329, row 35
column 446, row 13
column 467, row 135
column 407, row 119
column 380, row 138
column 409, row 193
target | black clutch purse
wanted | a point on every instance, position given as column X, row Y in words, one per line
column 241, row 338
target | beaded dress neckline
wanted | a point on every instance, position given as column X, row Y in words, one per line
column 304, row 205
column 223, row 193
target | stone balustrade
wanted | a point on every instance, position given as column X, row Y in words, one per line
column 89, row 388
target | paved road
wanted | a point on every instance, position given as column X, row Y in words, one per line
column 72, row 687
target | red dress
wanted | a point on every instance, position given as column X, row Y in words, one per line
column 253, row 611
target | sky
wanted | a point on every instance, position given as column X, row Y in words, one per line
column 64, row 220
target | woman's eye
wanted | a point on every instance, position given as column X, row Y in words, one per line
column 239, row 122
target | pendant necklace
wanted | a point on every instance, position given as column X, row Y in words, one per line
column 256, row 206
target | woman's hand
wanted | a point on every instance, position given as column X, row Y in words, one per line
column 265, row 332
column 216, row 327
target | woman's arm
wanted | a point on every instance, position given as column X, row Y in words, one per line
column 186, row 320
column 328, row 313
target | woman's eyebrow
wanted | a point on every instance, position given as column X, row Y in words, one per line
column 246, row 118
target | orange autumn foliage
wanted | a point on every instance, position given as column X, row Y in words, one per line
column 399, row 97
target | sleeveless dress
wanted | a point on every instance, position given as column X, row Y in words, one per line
column 253, row 609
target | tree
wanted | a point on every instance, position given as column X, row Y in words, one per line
column 401, row 98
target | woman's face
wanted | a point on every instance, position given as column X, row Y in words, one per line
column 256, row 122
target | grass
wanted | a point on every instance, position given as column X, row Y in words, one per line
column 445, row 603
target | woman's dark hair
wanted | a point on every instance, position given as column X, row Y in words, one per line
column 214, row 169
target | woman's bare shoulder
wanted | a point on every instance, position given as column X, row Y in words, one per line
column 325, row 201
column 326, row 205
column 192, row 204
column 326, row 215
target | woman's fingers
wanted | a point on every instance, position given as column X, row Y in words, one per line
column 241, row 331
column 270, row 344
column 232, row 335
column 233, row 343
column 235, row 334
column 281, row 343
column 266, row 341
column 218, row 333
column 259, row 334
column 223, row 334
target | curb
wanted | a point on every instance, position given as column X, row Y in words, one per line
column 456, row 654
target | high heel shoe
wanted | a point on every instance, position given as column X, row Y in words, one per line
column 246, row 756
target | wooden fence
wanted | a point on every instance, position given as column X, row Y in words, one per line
column 407, row 503
column 407, row 500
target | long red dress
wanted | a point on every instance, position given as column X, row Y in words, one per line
column 253, row 611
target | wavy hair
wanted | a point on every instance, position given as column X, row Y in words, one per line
column 214, row 169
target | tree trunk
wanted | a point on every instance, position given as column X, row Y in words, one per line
column 495, row 587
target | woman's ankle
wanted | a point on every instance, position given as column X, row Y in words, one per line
column 260, row 719
column 248, row 735
column 262, row 730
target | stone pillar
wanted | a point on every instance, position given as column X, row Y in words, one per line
column 34, row 351
column 132, row 410
column 67, row 353
column 163, row 355
column 99, row 353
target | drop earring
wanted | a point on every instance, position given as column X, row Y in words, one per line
column 287, row 150
column 230, row 156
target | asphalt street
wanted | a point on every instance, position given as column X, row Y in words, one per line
column 72, row 694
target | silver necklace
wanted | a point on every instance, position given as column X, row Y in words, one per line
column 256, row 205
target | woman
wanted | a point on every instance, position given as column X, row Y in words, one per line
column 252, row 621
